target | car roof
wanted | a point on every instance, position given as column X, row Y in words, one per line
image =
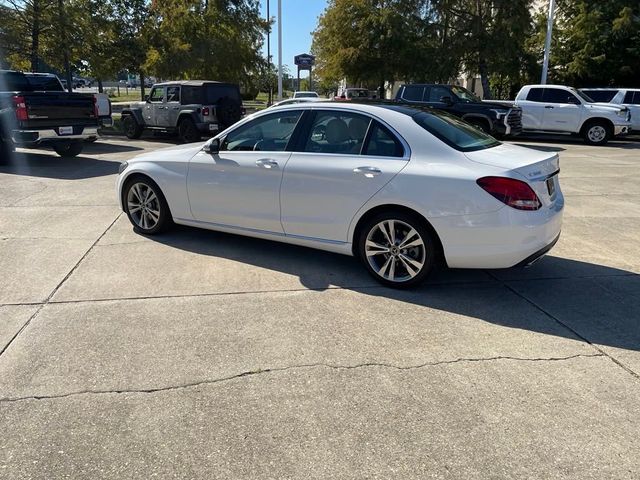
column 372, row 107
column 193, row 83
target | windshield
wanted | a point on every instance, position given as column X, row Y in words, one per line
column 464, row 94
column 454, row 132
column 306, row 95
column 583, row 96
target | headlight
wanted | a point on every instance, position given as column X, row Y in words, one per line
column 500, row 113
column 623, row 112
column 122, row 167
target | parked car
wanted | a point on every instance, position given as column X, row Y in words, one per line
column 303, row 94
column 291, row 101
column 401, row 188
column 628, row 97
column 561, row 109
column 31, row 116
column 354, row 93
column 500, row 119
column 189, row 108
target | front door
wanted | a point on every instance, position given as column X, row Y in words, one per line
column 154, row 106
column 345, row 159
column 240, row 185
column 562, row 110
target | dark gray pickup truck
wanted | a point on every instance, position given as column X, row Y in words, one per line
column 33, row 116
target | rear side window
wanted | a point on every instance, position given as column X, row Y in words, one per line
column 214, row 93
column 192, row 95
column 535, row 95
column 601, row 95
column 337, row 132
column 454, row 132
column 383, row 143
column 173, row 94
column 557, row 95
column 413, row 93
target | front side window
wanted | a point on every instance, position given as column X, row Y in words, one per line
column 465, row 95
column 383, row 143
column 270, row 133
column 413, row 93
column 173, row 94
column 337, row 132
column 157, row 94
column 557, row 95
column 436, row 93
column 454, row 132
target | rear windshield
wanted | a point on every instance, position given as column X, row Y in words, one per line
column 14, row 82
column 604, row 96
column 454, row 132
column 44, row 83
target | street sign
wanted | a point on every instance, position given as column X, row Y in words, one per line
column 304, row 60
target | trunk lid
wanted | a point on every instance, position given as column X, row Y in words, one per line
column 539, row 169
column 51, row 108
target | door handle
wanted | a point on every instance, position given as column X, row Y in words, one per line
column 267, row 163
column 368, row 172
column 548, row 106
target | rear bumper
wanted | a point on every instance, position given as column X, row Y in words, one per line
column 500, row 239
column 32, row 138
column 210, row 128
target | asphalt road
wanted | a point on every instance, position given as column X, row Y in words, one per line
column 200, row 355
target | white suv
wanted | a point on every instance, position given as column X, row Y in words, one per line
column 560, row 109
column 629, row 97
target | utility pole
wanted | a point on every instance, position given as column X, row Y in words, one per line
column 279, row 49
column 269, row 55
column 547, row 42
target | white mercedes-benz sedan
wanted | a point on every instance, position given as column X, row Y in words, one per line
column 403, row 189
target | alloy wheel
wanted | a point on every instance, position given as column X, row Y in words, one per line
column 143, row 206
column 597, row 133
column 395, row 250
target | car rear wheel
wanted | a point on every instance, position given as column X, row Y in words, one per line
column 68, row 150
column 596, row 133
column 146, row 206
column 397, row 249
column 188, row 132
column 131, row 128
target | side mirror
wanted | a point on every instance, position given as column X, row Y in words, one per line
column 446, row 99
column 213, row 146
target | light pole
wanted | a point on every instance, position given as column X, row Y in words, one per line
column 547, row 42
column 269, row 55
column 279, row 49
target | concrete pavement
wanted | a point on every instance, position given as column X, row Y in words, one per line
column 204, row 355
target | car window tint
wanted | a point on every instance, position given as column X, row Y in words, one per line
column 191, row 95
column 601, row 95
column 535, row 95
column 45, row 83
column 383, row 143
column 337, row 132
column 413, row 93
column 557, row 95
column 173, row 94
column 454, row 132
column 157, row 94
column 436, row 93
column 270, row 133
column 632, row 98
column 636, row 99
column 215, row 93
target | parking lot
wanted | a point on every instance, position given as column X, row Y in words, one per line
column 204, row 355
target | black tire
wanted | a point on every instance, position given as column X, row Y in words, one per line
column 131, row 128
column 596, row 132
column 6, row 151
column 228, row 112
column 481, row 124
column 404, row 262
column 188, row 132
column 134, row 188
column 68, row 150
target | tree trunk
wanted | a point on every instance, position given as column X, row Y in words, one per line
column 35, row 37
column 484, row 78
column 100, row 87
column 141, row 73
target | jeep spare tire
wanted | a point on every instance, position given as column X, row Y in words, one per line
column 229, row 111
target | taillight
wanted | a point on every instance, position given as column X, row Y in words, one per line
column 21, row 109
column 512, row 192
column 95, row 106
column 205, row 112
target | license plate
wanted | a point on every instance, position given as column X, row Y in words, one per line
column 551, row 186
column 213, row 126
column 65, row 131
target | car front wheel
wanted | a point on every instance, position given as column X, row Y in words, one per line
column 397, row 249
column 145, row 206
column 596, row 133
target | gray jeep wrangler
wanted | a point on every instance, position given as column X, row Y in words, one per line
column 189, row 108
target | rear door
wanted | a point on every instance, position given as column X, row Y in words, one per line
column 343, row 158
column 562, row 110
column 532, row 109
column 168, row 117
column 154, row 106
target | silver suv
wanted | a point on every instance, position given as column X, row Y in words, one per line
column 189, row 108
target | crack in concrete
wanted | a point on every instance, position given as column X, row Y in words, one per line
column 261, row 371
